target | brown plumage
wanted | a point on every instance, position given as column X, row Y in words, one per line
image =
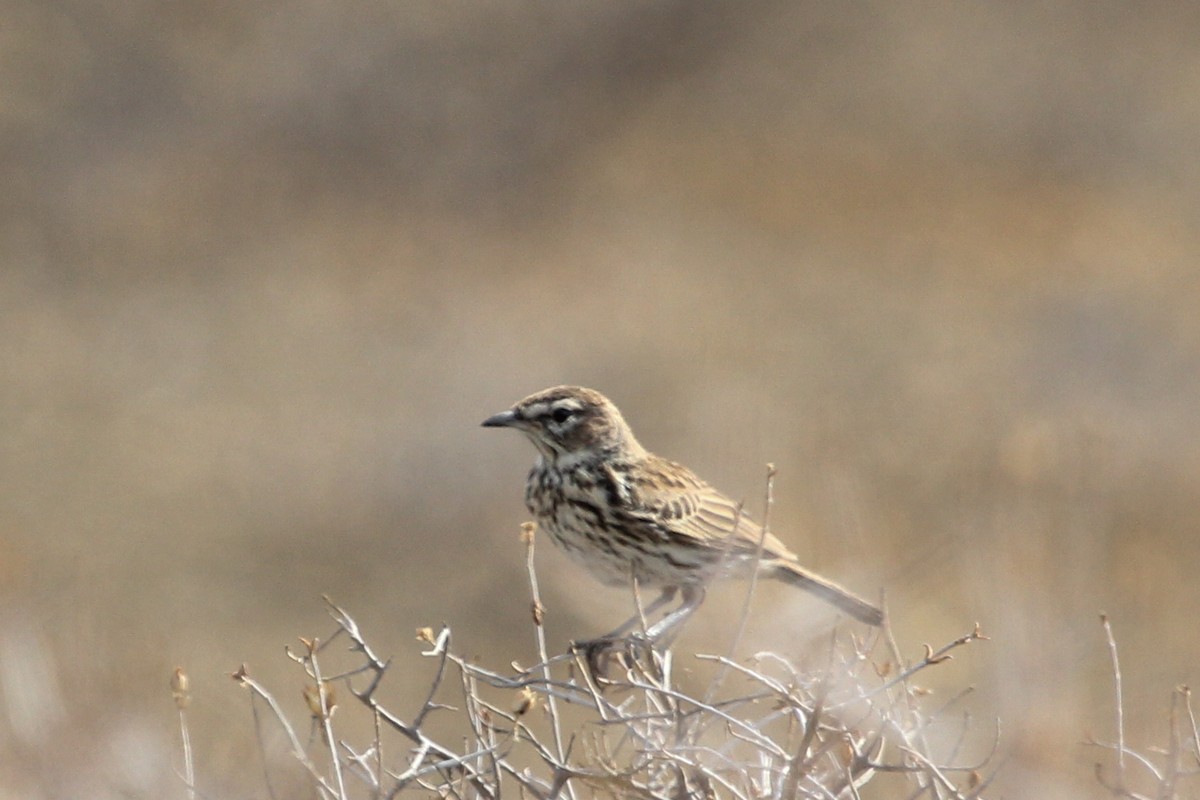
column 622, row 512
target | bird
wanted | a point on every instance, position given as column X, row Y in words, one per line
column 630, row 517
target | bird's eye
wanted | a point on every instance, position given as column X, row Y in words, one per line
column 562, row 414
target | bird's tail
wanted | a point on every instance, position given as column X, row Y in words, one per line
column 796, row 575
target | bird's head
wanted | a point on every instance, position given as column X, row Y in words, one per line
column 570, row 421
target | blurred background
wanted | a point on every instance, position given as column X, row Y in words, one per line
column 264, row 267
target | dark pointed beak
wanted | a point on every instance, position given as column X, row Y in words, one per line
column 505, row 419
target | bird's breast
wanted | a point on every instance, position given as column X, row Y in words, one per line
column 554, row 496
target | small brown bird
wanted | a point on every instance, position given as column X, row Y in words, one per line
column 624, row 513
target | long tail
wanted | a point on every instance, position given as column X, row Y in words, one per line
column 852, row 604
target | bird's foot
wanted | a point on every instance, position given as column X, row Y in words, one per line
column 628, row 651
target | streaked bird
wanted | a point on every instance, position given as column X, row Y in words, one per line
column 625, row 514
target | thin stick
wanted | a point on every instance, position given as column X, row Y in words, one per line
column 1187, row 701
column 1116, row 668
column 528, row 536
column 1166, row 790
column 931, row 658
column 189, row 772
column 797, row 764
column 257, row 690
column 751, row 584
column 441, row 649
column 378, row 756
column 181, row 691
column 262, row 746
column 327, row 723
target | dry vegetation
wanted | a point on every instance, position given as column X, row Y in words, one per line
column 621, row 725
column 1163, row 771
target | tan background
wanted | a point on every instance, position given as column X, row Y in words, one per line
column 265, row 266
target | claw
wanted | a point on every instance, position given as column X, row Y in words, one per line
column 597, row 654
column 600, row 653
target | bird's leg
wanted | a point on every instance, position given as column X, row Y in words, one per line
column 667, row 595
column 597, row 649
column 663, row 631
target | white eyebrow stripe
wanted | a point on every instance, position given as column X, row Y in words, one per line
column 536, row 410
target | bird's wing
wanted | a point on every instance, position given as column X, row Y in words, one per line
column 675, row 498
